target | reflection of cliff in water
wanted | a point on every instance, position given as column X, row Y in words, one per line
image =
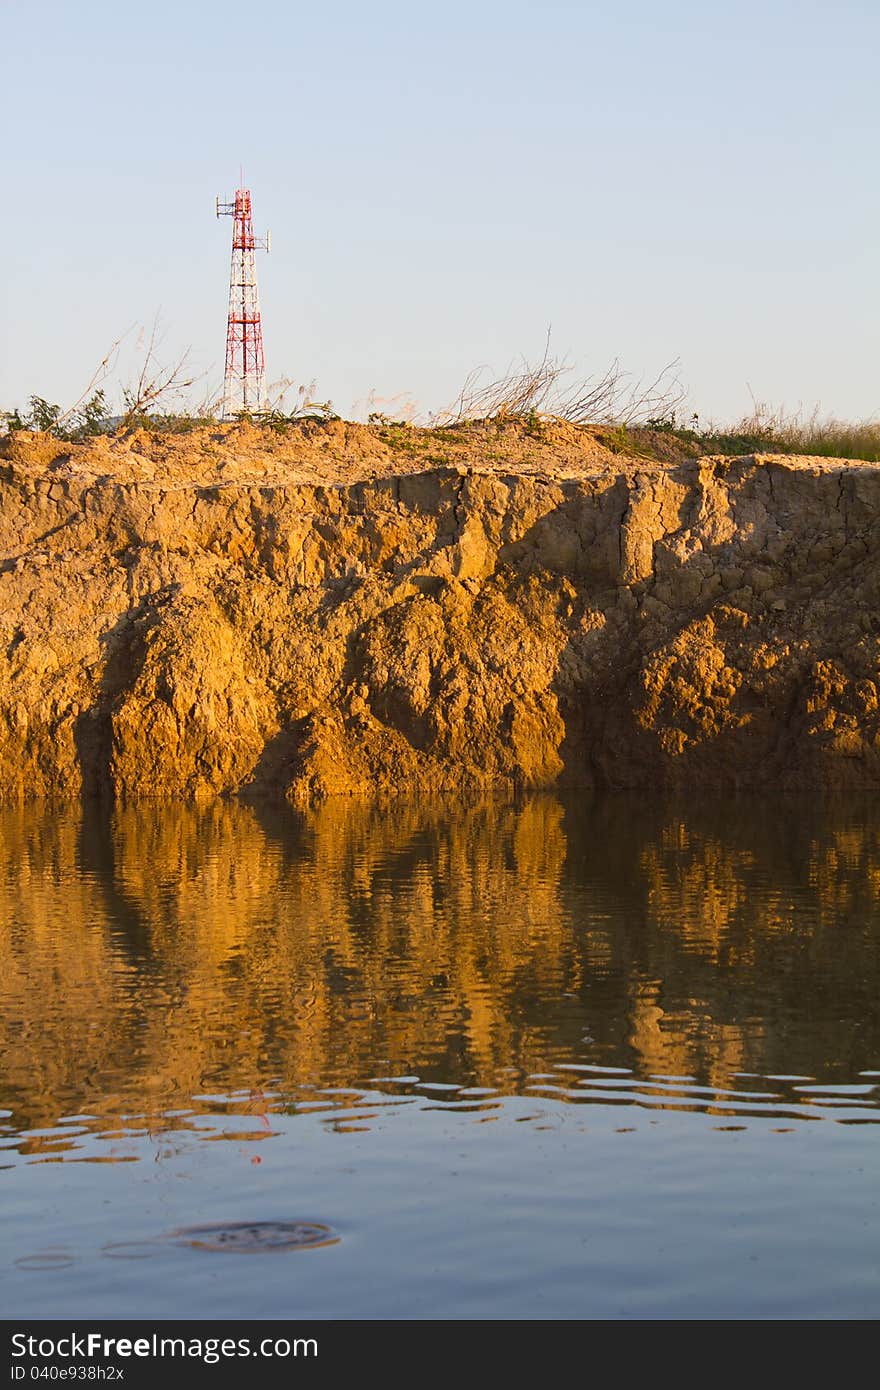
column 150, row 955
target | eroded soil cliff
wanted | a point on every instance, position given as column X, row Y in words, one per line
column 346, row 610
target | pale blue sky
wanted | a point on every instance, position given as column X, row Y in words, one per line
column 687, row 178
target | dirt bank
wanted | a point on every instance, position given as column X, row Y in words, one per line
column 351, row 610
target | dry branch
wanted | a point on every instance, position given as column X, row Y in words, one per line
column 99, row 376
column 156, row 381
column 545, row 389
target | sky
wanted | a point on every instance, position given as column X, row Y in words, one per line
column 444, row 184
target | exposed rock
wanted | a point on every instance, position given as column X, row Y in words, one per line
column 350, row 611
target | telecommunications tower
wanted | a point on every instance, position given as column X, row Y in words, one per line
column 244, row 382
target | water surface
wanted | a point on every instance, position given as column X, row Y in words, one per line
column 575, row 1057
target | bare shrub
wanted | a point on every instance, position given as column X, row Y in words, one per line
column 93, row 398
column 401, row 409
column 616, row 398
column 156, row 381
column 545, row 390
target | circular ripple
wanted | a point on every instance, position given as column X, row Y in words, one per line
column 131, row 1250
column 256, row 1237
column 46, row 1259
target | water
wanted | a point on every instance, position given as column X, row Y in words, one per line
column 572, row 1058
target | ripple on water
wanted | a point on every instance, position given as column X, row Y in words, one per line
column 131, row 1249
column 256, row 1237
column 46, row 1259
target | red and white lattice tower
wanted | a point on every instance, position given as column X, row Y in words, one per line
column 244, row 382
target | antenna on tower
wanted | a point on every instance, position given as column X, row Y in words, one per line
column 244, row 382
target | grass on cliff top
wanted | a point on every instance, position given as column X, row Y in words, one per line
column 766, row 432
column 538, row 399
column 670, row 441
column 667, row 438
